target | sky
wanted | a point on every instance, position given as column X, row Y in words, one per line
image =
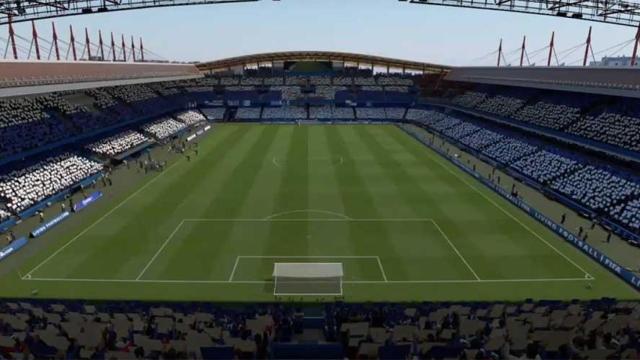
column 451, row 36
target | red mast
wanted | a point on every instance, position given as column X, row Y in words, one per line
column 524, row 41
column 55, row 40
column 88, row 43
column 113, row 47
column 34, row 33
column 73, row 43
column 13, row 40
column 551, row 44
column 635, row 47
column 101, row 45
column 133, row 50
column 587, row 47
column 141, row 51
column 124, row 49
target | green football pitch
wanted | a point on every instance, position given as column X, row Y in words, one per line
column 405, row 224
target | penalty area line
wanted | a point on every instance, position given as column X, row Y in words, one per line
column 186, row 282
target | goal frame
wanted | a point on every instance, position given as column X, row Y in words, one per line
column 311, row 277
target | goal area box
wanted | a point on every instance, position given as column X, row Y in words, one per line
column 307, row 279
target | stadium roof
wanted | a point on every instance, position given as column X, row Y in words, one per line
column 241, row 61
column 620, row 12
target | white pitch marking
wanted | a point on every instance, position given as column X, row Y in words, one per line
column 100, row 219
column 309, row 219
column 319, row 211
column 384, row 275
column 235, row 265
column 455, row 249
column 160, row 250
column 307, row 257
column 453, row 281
column 508, row 213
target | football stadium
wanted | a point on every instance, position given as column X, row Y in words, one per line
column 316, row 204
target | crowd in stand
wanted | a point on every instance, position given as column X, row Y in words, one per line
column 545, row 166
column 370, row 113
column 131, row 93
column 501, row 105
column 288, row 92
column 460, row 130
column 469, row 99
column 118, row 144
column 619, row 127
column 328, row 112
column 597, row 188
column 548, row 115
column 164, row 128
column 248, row 113
column 285, row 112
column 602, row 329
column 508, row 150
column 628, row 214
column 192, row 117
column 25, row 187
column 611, row 128
column 103, row 100
column 481, row 139
column 328, row 92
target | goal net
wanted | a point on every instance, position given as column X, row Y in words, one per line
column 311, row 279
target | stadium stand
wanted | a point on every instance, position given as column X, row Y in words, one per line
column 501, row 105
column 342, row 80
column 118, row 144
column 248, row 113
column 131, row 93
column 597, row 188
column 610, row 128
column 25, row 187
column 364, row 80
column 460, row 130
column 274, row 81
column 395, row 113
column 545, row 166
column 289, row 92
column 164, row 128
column 507, row 151
column 370, row 113
column 628, row 214
column 328, row 92
column 192, row 117
column 548, row 115
column 481, row 139
column 469, row 99
column 330, row 112
column 601, row 329
column 287, row 112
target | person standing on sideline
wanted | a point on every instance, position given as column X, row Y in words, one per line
column 563, row 218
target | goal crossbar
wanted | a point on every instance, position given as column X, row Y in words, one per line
column 307, row 279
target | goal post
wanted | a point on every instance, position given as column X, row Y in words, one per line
column 307, row 279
